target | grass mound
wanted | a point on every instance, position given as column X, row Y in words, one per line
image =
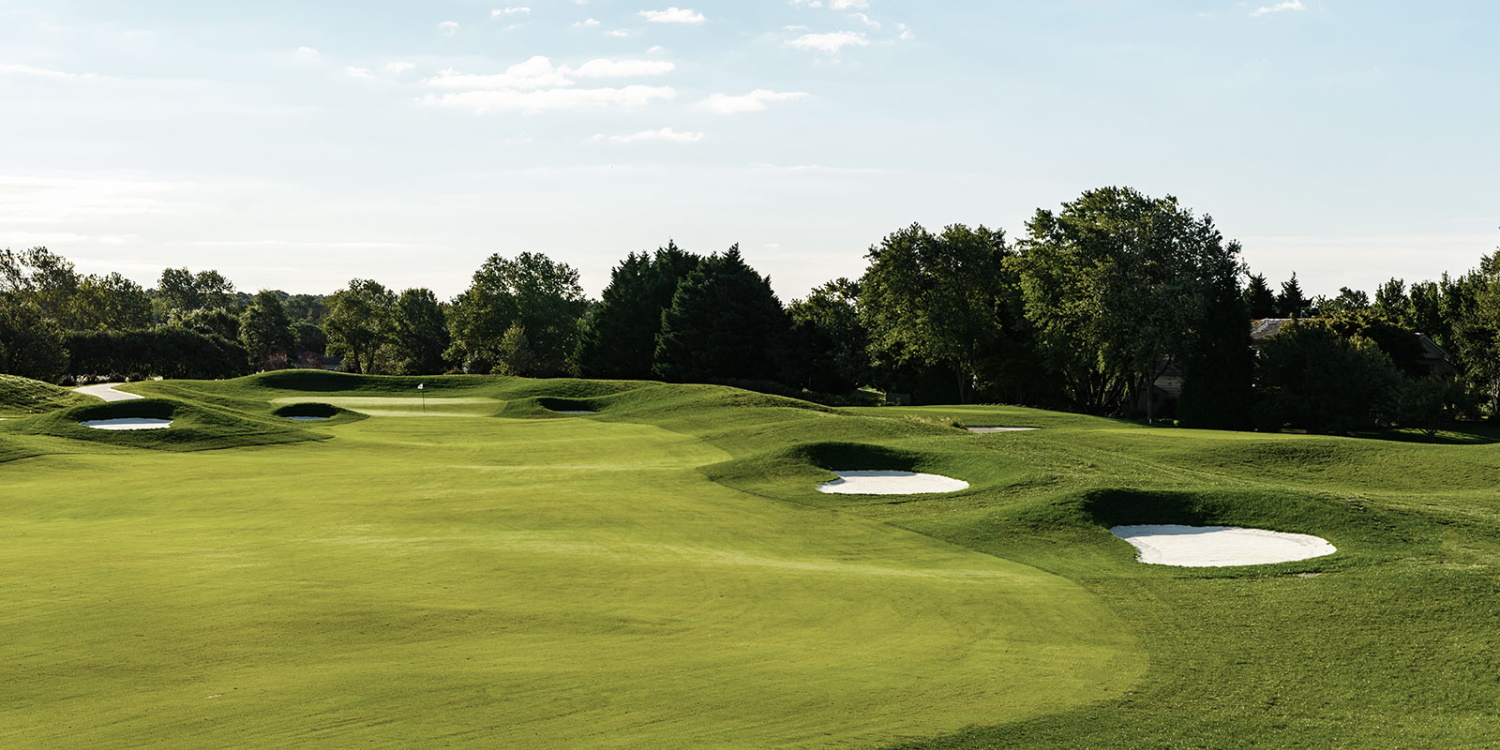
column 21, row 396
column 195, row 427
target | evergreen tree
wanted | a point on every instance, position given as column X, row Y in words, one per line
column 1259, row 298
column 724, row 323
column 619, row 339
column 1292, row 303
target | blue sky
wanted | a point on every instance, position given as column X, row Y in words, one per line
column 298, row 145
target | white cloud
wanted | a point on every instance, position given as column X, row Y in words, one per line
column 829, row 43
column 618, row 32
column 499, row 12
column 27, row 70
column 398, row 67
column 536, row 73
column 620, row 68
column 847, row 4
column 586, row 23
column 26, row 200
column 449, row 27
column 673, row 15
column 664, row 134
column 656, row 50
column 307, row 53
column 866, row 20
column 1269, row 9
column 529, row 102
column 907, row 35
column 755, row 101
column 363, row 73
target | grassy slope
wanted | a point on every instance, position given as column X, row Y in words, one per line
column 507, row 582
column 1391, row 643
column 22, row 396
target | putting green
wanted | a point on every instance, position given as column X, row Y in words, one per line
column 503, row 583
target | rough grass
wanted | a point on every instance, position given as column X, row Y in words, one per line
column 22, row 396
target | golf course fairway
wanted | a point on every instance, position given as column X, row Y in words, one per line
column 414, row 580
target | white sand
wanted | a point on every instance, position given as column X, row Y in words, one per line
column 309, row 419
column 106, row 392
column 128, row 424
column 1219, row 546
column 987, row 430
column 576, row 411
column 890, row 483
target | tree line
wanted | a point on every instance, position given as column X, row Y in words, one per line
column 1099, row 304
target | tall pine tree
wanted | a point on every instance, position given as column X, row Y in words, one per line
column 724, row 323
column 619, row 338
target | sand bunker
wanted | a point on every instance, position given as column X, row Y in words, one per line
column 576, row 411
column 309, row 419
column 137, row 423
column 1219, row 546
column 890, row 483
column 987, row 430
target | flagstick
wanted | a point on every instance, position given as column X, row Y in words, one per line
column 422, row 389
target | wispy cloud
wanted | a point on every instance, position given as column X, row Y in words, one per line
column 673, row 15
column 539, row 73
column 1266, row 10
column 28, row 70
column 449, row 27
column 547, row 100
column 308, row 54
column 502, row 12
column 829, row 43
column 398, row 67
column 620, row 68
column 755, row 101
column 667, row 135
column 362, row 73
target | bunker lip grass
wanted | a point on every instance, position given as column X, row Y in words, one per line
column 1219, row 546
column 891, row 483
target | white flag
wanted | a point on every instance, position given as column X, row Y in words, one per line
column 420, row 386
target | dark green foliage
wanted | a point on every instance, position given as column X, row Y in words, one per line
column 724, row 322
column 181, row 291
column 266, row 333
column 1259, row 298
column 531, row 291
column 619, row 338
column 31, row 345
column 1218, row 365
column 110, row 303
column 1291, row 302
column 420, row 334
column 217, row 321
column 1313, row 378
column 360, row 321
column 829, row 350
column 1398, row 342
column 310, row 338
column 936, row 300
column 1392, row 303
column 1118, row 285
column 169, row 352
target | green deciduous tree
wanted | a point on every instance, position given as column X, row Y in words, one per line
column 266, row 333
column 359, row 323
column 724, row 323
column 110, row 303
column 532, row 291
column 420, row 334
column 936, row 300
column 1117, row 284
column 1312, row 377
column 31, row 341
column 829, row 349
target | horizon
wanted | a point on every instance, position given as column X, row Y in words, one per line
column 300, row 147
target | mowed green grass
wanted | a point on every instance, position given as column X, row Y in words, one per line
column 423, row 581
